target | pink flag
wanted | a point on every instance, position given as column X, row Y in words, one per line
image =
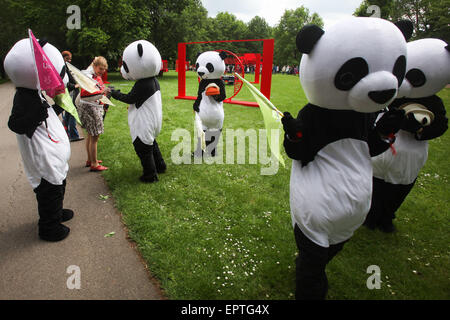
column 49, row 79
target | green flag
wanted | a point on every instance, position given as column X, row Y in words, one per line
column 272, row 119
column 64, row 100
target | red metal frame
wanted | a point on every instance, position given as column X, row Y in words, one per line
column 266, row 76
column 165, row 66
column 252, row 59
column 238, row 66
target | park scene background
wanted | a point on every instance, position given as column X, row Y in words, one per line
column 223, row 231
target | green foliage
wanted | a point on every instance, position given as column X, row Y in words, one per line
column 211, row 231
column 286, row 31
column 384, row 5
column 108, row 26
column 431, row 18
column 89, row 41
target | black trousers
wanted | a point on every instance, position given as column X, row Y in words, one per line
column 211, row 141
column 151, row 158
column 50, row 200
column 311, row 278
column 386, row 199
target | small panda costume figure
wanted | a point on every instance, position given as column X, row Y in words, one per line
column 394, row 174
column 210, row 68
column 42, row 139
column 348, row 72
column 142, row 62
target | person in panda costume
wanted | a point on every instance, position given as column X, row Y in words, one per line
column 210, row 67
column 41, row 137
column 348, row 72
column 142, row 62
column 395, row 171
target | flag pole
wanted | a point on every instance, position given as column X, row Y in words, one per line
column 259, row 93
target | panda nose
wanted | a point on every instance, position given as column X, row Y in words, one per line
column 201, row 74
column 382, row 96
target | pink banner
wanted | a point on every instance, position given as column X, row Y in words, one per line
column 49, row 79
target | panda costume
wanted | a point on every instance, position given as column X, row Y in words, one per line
column 348, row 72
column 41, row 137
column 142, row 62
column 394, row 174
column 210, row 66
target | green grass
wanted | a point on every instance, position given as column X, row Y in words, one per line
column 223, row 231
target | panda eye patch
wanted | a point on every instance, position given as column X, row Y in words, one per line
column 351, row 73
column 400, row 69
column 416, row 77
column 124, row 64
column 210, row 67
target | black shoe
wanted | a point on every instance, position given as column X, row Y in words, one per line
column 58, row 233
column 370, row 226
column 76, row 139
column 148, row 179
column 161, row 169
column 66, row 215
column 387, row 227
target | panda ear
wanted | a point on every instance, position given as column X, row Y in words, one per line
column 223, row 55
column 140, row 49
column 406, row 27
column 307, row 38
column 42, row 42
column 448, row 47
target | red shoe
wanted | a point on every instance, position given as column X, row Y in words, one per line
column 88, row 163
column 98, row 168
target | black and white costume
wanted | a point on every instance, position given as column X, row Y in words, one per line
column 210, row 68
column 333, row 138
column 42, row 139
column 142, row 62
column 394, row 173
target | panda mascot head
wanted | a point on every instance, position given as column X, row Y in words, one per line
column 210, row 65
column 356, row 64
column 20, row 66
column 140, row 60
column 427, row 68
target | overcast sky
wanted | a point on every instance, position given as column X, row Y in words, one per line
column 272, row 10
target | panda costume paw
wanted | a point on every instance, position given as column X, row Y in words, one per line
column 292, row 127
column 390, row 122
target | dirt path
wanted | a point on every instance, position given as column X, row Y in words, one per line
column 109, row 267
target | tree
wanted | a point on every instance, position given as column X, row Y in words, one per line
column 286, row 31
column 258, row 28
column 178, row 21
column 107, row 26
column 385, row 12
column 439, row 21
column 430, row 18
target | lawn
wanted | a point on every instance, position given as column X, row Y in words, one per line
column 223, row 231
